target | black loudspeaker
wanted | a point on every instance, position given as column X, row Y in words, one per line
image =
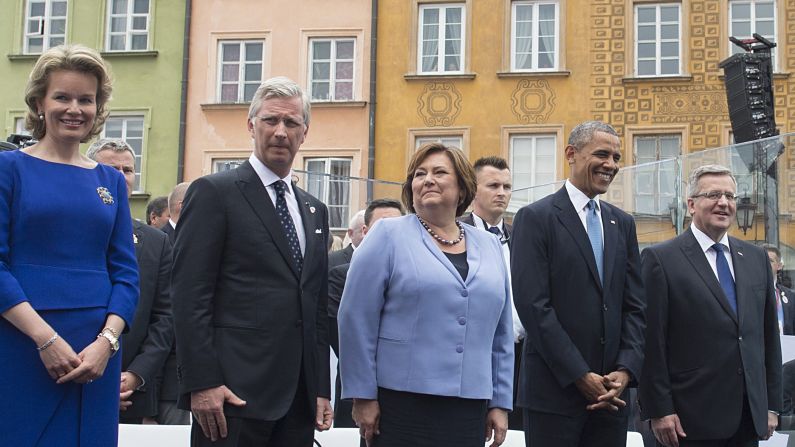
column 749, row 90
column 749, row 93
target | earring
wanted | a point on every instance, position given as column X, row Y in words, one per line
column 41, row 117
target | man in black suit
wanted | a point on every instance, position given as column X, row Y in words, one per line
column 491, row 200
column 339, row 257
column 175, row 200
column 249, row 290
column 712, row 374
column 784, row 306
column 376, row 210
column 147, row 344
column 575, row 271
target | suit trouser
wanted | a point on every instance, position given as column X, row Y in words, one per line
column 600, row 428
column 294, row 429
column 745, row 436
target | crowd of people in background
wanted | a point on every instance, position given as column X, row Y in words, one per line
column 450, row 327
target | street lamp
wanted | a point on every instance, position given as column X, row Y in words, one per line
column 746, row 212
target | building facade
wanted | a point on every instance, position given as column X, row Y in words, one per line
column 141, row 39
column 512, row 78
column 237, row 44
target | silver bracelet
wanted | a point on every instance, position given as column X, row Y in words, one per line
column 49, row 342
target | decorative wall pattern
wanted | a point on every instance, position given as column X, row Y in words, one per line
column 439, row 104
column 532, row 101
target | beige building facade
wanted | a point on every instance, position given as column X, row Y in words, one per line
column 236, row 44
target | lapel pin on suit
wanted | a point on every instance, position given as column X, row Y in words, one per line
column 612, row 221
column 740, row 253
column 135, row 238
column 318, row 231
column 311, row 208
column 784, row 298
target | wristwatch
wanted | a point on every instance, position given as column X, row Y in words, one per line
column 110, row 335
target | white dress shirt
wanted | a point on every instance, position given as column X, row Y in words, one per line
column 580, row 202
column 706, row 244
column 268, row 178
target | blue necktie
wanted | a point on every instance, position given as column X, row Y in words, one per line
column 595, row 236
column 494, row 230
column 725, row 276
column 287, row 224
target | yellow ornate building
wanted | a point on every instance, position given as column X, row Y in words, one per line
column 512, row 78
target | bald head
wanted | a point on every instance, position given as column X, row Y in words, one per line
column 175, row 200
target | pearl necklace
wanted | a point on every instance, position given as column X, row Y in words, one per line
column 441, row 239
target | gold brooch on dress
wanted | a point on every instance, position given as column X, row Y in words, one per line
column 104, row 194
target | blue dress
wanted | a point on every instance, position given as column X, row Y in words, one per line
column 65, row 247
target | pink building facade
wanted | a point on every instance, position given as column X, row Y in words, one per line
column 324, row 46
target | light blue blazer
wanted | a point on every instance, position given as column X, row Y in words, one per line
column 408, row 322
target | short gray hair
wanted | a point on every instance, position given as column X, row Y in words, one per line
column 110, row 144
column 696, row 174
column 583, row 133
column 357, row 220
column 279, row 87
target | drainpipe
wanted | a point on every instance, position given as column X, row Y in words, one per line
column 371, row 142
column 183, row 103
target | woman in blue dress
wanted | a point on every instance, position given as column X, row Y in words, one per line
column 68, row 275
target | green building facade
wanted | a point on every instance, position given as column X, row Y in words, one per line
column 143, row 42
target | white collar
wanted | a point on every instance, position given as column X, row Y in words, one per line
column 578, row 198
column 705, row 241
column 267, row 176
column 483, row 222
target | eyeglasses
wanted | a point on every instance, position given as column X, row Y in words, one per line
column 716, row 195
column 273, row 121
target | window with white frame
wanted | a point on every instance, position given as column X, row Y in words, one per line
column 240, row 66
column 441, row 40
column 226, row 164
column 532, row 160
column 130, row 129
column 447, row 140
column 128, row 25
column 45, row 25
column 331, row 68
column 534, row 35
column 657, row 37
column 328, row 179
column 655, row 186
column 19, row 126
column 747, row 17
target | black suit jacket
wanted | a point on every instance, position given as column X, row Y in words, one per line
column 339, row 257
column 574, row 324
column 170, row 231
column 701, row 357
column 244, row 316
column 147, row 345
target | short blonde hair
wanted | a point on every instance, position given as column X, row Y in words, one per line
column 70, row 57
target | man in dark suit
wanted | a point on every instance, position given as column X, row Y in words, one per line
column 147, row 344
column 169, row 413
column 249, row 290
column 488, row 207
column 175, row 199
column 376, row 210
column 575, row 270
column 784, row 306
column 339, row 257
column 712, row 374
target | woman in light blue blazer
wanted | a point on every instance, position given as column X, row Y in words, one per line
column 426, row 338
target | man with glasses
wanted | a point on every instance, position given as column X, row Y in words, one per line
column 249, row 290
column 712, row 374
